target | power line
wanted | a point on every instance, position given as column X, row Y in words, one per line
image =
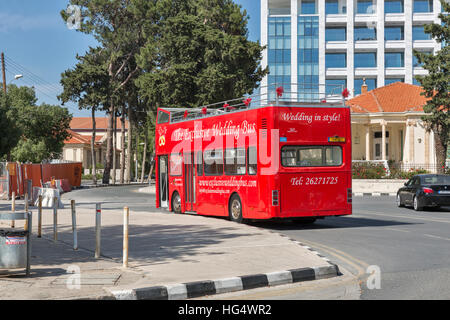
column 44, row 86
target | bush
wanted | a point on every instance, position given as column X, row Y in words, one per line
column 89, row 176
column 366, row 170
column 399, row 174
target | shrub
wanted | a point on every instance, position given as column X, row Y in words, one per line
column 366, row 170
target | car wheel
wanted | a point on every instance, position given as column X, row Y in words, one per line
column 235, row 209
column 399, row 201
column 416, row 204
column 176, row 203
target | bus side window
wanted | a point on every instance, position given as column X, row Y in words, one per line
column 252, row 161
column 213, row 162
column 199, row 164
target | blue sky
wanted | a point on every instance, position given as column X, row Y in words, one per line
column 34, row 37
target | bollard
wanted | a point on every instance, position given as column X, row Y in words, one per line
column 126, row 219
column 55, row 219
column 98, row 221
column 29, row 222
column 13, row 208
column 26, row 210
column 40, row 217
column 74, row 225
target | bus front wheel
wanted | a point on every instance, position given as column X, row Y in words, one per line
column 176, row 202
column 235, row 209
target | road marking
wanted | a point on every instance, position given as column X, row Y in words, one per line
column 437, row 237
column 368, row 213
column 393, row 229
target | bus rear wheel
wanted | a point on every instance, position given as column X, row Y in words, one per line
column 235, row 209
column 176, row 202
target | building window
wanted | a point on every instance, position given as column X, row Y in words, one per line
column 394, row 33
column 335, row 60
column 308, row 7
column 365, row 7
column 365, row 60
column 371, row 84
column 308, row 58
column 331, row 7
column 393, row 80
column 393, row 6
column 365, row 34
column 418, row 33
column 336, row 34
column 423, row 6
column 415, row 82
column 279, row 50
column 416, row 63
column 394, row 59
column 335, row 86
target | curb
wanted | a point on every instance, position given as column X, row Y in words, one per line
column 202, row 288
column 375, row 194
column 84, row 187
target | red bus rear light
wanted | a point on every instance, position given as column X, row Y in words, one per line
column 349, row 195
column 275, row 198
column 428, row 190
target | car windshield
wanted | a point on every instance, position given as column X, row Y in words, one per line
column 436, row 180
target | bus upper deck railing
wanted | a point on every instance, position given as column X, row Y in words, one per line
column 272, row 95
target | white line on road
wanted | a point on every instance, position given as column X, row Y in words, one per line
column 437, row 237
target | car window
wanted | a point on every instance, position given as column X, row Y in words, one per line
column 436, row 180
column 416, row 181
column 409, row 182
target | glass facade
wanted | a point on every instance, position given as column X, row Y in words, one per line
column 393, row 6
column 365, row 7
column 335, row 86
column 371, row 84
column 308, row 7
column 336, row 60
column 308, row 58
column 365, row 33
column 394, row 59
column 279, row 50
column 416, row 63
column 331, row 6
column 336, row 34
column 394, row 33
column 423, row 6
column 393, row 80
column 365, row 59
column 418, row 33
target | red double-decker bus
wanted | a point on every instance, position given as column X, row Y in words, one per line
column 257, row 158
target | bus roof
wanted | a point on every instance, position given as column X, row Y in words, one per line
column 272, row 96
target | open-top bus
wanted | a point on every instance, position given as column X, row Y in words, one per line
column 260, row 157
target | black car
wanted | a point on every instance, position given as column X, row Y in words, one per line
column 425, row 190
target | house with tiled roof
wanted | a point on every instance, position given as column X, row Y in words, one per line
column 387, row 125
column 78, row 147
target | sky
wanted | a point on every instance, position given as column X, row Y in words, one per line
column 38, row 44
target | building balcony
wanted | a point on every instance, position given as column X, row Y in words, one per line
column 336, row 19
column 363, row 72
column 394, row 18
column 336, row 72
column 395, row 72
column 369, row 45
column 424, row 17
column 424, row 44
column 395, row 44
column 336, row 46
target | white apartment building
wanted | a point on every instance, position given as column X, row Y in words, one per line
column 341, row 42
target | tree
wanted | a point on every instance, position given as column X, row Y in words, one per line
column 201, row 55
column 88, row 84
column 436, row 85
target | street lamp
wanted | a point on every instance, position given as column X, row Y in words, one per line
column 16, row 77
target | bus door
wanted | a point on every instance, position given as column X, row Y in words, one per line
column 189, row 182
column 163, row 181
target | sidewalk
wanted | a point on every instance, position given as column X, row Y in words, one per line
column 169, row 253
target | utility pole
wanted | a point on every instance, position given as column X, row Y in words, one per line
column 3, row 73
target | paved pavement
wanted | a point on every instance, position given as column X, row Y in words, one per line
column 165, row 248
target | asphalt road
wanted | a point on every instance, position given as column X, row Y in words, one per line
column 411, row 249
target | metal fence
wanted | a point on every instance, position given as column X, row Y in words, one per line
column 4, row 181
column 431, row 168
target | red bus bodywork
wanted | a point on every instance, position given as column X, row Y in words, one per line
column 277, row 190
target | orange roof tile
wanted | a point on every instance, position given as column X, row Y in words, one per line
column 395, row 97
column 100, row 123
column 81, row 139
